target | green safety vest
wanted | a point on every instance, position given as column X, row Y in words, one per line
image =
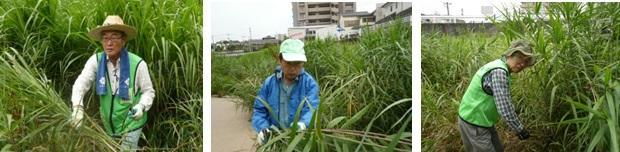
column 114, row 111
column 477, row 107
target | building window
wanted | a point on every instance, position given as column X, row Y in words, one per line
column 367, row 20
column 351, row 23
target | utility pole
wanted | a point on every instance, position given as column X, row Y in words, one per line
column 212, row 43
column 462, row 12
column 228, row 43
column 448, row 7
column 250, row 40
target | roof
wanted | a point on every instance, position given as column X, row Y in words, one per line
column 311, row 26
column 385, row 4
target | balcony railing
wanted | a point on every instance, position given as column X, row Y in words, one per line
column 335, row 17
column 318, row 16
column 318, row 9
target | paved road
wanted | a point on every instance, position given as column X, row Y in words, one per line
column 231, row 130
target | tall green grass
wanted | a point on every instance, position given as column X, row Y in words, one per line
column 50, row 35
column 365, row 91
column 448, row 62
column 34, row 114
column 579, row 42
column 558, row 99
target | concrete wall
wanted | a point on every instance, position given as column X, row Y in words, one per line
column 297, row 33
column 459, row 28
column 330, row 31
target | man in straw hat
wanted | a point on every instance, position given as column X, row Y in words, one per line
column 289, row 88
column 488, row 98
column 121, row 80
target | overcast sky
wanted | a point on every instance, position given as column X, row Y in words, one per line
column 234, row 19
column 469, row 8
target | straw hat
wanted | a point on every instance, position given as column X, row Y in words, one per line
column 113, row 22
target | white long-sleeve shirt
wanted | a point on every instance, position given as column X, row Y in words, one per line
column 85, row 80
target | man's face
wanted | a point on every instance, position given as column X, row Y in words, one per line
column 113, row 42
column 291, row 69
column 518, row 62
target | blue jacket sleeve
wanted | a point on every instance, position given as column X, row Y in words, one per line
column 260, row 115
column 312, row 96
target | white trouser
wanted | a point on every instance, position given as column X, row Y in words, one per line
column 130, row 140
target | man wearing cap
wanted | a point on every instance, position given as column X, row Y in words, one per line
column 288, row 88
column 122, row 83
column 488, row 98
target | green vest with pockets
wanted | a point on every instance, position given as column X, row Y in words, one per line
column 477, row 107
column 114, row 111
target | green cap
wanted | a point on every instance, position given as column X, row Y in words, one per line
column 293, row 50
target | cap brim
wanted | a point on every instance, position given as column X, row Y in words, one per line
column 526, row 53
column 293, row 57
column 96, row 32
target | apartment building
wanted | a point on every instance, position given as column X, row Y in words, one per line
column 390, row 10
column 320, row 13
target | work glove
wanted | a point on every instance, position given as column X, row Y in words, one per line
column 300, row 126
column 136, row 111
column 76, row 116
column 523, row 134
column 263, row 136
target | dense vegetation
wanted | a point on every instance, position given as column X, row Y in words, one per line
column 43, row 48
column 365, row 90
column 570, row 100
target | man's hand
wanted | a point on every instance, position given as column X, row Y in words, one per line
column 301, row 126
column 523, row 134
column 263, row 136
column 136, row 111
column 76, row 116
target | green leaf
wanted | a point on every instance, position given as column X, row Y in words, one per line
column 291, row 145
column 360, row 114
column 6, row 148
column 596, row 139
column 335, row 121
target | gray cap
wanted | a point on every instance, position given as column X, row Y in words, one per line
column 524, row 47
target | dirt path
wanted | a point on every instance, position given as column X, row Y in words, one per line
column 231, row 128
